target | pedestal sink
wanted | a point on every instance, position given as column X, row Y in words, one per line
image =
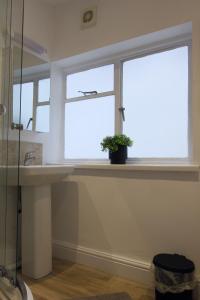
column 36, row 215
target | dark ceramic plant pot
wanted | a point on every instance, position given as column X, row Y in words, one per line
column 119, row 156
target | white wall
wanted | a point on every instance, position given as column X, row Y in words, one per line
column 39, row 23
column 116, row 217
column 130, row 217
column 117, row 20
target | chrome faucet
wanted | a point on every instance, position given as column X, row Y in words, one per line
column 29, row 158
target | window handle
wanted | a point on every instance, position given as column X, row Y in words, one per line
column 88, row 93
column 29, row 121
column 122, row 109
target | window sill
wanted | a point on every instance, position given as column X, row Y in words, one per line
column 140, row 167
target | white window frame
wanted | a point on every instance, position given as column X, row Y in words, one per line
column 35, row 80
column 82, row 98
column 118, row 61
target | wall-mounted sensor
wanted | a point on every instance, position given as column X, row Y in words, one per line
column 89, row 17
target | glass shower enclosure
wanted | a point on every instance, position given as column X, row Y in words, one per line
column 11, row 25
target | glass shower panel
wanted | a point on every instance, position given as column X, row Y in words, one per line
column 11, row 24
column 5, row 13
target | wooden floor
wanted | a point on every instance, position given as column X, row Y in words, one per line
column 69, row 281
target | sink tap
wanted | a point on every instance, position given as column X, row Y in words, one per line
column 29, row 158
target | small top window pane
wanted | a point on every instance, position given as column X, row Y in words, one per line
column 99, row 79
column 44, row 90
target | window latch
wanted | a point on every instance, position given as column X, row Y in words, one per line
column 29, row 121
column 88, row 93
column 122, row 109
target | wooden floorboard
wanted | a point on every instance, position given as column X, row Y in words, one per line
column 69, row 281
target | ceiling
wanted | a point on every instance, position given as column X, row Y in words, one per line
column 55, row 2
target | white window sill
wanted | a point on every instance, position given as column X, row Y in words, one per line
column 140, row 167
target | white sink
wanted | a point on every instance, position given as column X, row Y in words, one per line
column 36, row 215
column 35, row 182
column 37, row 175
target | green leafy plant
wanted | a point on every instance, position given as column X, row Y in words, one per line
column 112, row 142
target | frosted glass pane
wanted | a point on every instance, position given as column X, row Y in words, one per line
column 155, row 97
column 44, row 90
column 42, row 118
column 98, row 79
column 86, row 124
column 26, row 104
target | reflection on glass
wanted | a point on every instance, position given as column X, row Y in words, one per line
column 26, row 104
column 86, row 124
column 99, row 79
column 44, row 90
column 155, row 96
column 42, row 118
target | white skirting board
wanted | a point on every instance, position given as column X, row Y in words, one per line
column 134, row 269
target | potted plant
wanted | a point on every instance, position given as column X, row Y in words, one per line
column 117, row 147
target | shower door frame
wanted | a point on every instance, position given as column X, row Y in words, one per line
column 7, row 72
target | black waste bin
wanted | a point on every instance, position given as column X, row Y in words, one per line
column 174, row 277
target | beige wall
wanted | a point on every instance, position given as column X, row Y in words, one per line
column 38, row 23
column 117, row 20
column 140, row 215
column 134, row 217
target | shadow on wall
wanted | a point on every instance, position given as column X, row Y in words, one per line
column 83, row 228
column 65, row 211
column 69, row 208
column 91, row 226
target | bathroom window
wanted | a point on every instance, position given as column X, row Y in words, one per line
column 155, row 98
column 35, row 105
column 144, row 97
column 89, row 112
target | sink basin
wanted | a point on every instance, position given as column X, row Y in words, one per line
column 46, row 174
column 38, row 175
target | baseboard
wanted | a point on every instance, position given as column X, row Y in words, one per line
column 134, row 269
column 197, row 289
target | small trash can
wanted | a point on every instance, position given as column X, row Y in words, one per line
column 174, row 277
